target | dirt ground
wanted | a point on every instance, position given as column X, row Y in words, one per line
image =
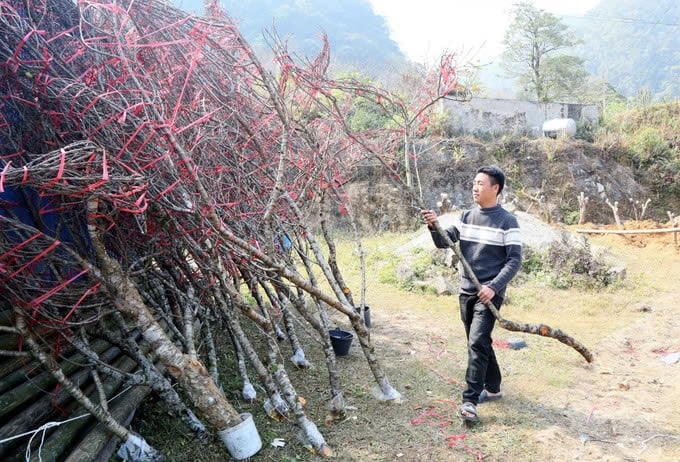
column 631, row 395
column 623, row 407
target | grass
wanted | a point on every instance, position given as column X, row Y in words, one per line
column 421, row 345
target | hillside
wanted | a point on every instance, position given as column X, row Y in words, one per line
column 633, row 44
column 545, row 178
column 359, row 38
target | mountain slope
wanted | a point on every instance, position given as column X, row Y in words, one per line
column 358, row 37
column 633, row 44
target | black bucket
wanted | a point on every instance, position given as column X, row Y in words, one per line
column 341, row 340
column 367, row 314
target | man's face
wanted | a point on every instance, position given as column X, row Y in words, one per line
column 483, row 193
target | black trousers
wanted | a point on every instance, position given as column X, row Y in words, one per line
column 482, row 369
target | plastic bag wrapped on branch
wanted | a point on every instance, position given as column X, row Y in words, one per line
column 190, row 373
column 222, row 307
column 249, row 273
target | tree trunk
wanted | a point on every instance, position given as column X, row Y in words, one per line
column 191, row 374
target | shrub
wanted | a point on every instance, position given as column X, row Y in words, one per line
column 438, row 124
column 566, row 264
column 575, row 264
column 385, row 266
column 572, row 217
column 532, row 261
column 585, row 131
column 646, row 139
column 414, row 268
column 648, row 145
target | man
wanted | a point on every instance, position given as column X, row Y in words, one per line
column 490, row 242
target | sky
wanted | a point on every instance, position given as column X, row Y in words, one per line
column 474, row 28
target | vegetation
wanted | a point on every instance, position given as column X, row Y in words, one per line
column 646, row 139
column 649, row 144
column 567, row 264
column 535, row 45
column 421, row 336
column 627, row 47
column 637, row 53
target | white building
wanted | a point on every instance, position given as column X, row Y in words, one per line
column 487, row 116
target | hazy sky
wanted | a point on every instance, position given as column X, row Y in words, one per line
column 425, row 28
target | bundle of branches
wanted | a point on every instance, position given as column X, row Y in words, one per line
column 153, row 169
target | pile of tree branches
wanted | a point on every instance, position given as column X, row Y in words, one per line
column 152, row 172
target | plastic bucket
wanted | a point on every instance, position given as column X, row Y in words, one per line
column 367, row 314
column 242, row 440
column 341, row 340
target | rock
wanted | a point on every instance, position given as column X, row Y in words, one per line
column 617, row 273
column 451, row 260
column 404, row 271
column 624, row 385
column 516, row 343
column 534, row 232
column 441, row 285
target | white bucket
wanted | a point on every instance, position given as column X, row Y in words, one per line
column 243, row 440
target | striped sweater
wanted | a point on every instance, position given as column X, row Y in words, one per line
column 490, row 242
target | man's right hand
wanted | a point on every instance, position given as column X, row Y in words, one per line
column 429, row 216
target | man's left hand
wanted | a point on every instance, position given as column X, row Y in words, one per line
column 486, row 294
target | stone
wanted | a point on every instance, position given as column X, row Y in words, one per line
column 617, row 273
column 442, row 285
column 516, row 343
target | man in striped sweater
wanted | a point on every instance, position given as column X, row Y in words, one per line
column 490, row 242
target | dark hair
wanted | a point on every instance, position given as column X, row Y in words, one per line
column 496, row 176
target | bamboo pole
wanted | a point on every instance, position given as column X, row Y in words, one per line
column 97, row 440
column 9, row 342
column 11, row 365
column 44, row 407
column 628, row 231
column 58, row 442
column 6, row 317
column 18, row 395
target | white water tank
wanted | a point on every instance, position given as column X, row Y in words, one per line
column 559, row 128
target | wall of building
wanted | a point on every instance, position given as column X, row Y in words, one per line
column 486, row 116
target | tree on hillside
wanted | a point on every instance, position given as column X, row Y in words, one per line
column 534, row 53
